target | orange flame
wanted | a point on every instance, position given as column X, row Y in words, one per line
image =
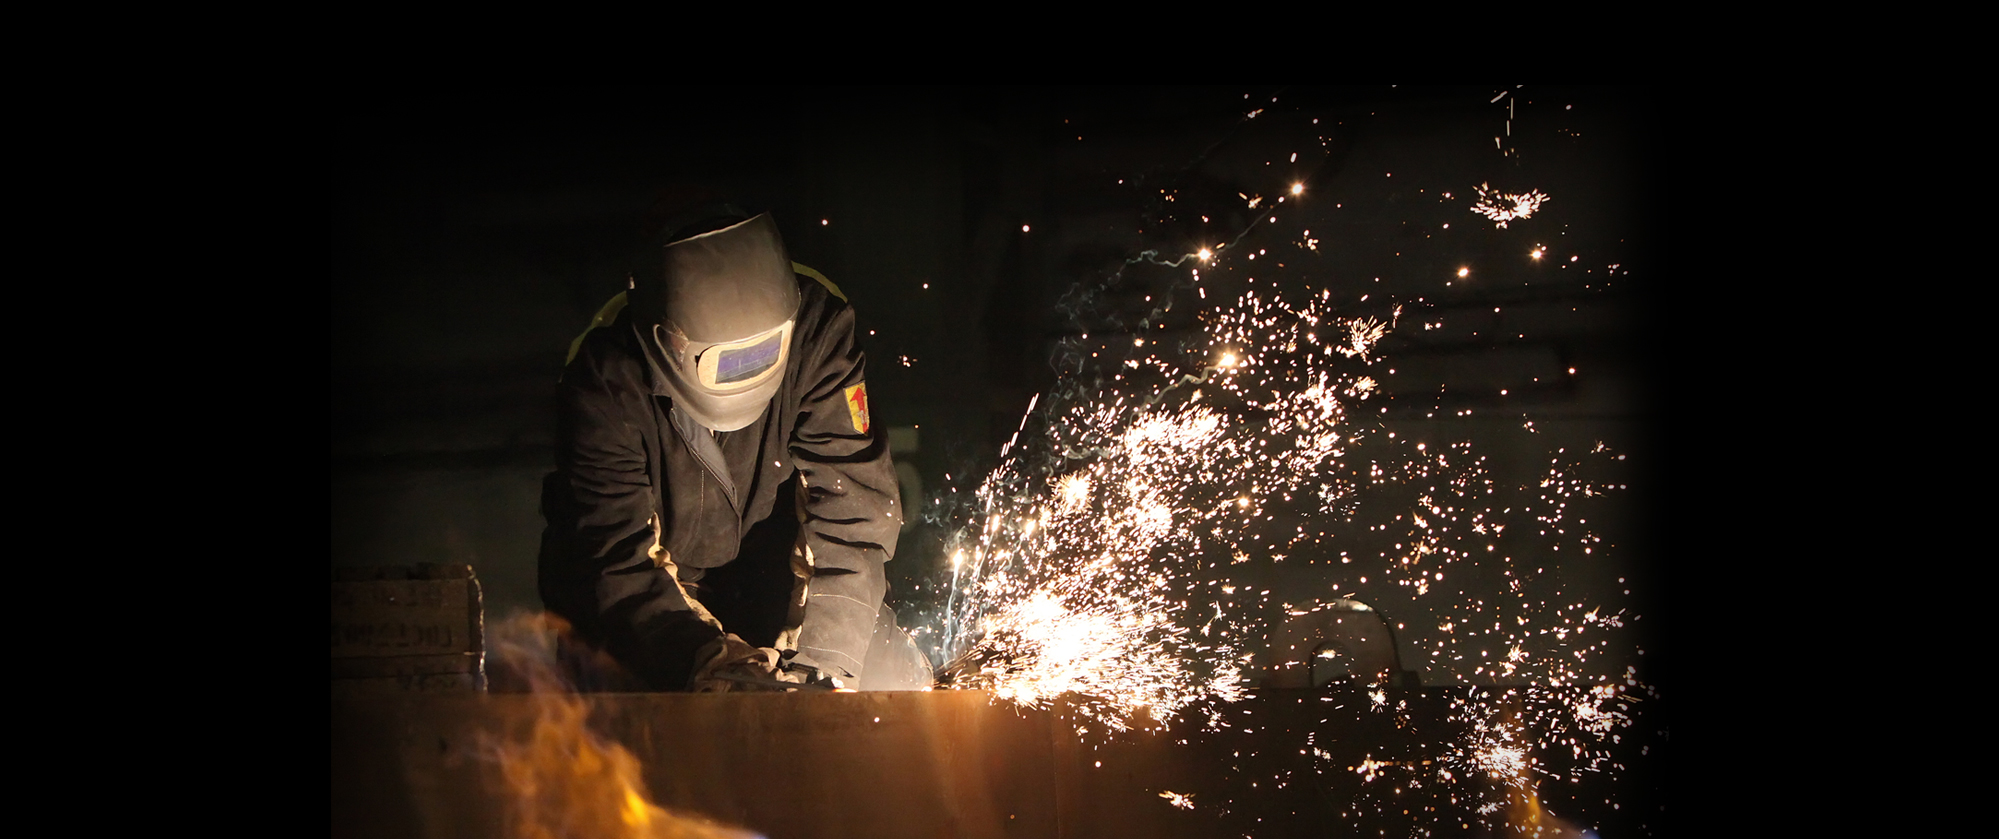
column 563, row 779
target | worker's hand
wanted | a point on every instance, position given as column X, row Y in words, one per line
column 730, row 664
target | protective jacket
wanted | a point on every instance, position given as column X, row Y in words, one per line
column 643, row 499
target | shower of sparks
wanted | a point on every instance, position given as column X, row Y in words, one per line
column 1083, row 569
column 1505, row 207
column 1118, row 558
column 1098, row 569
column 1184, row 802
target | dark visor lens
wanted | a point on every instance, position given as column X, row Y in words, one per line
column 735, row 365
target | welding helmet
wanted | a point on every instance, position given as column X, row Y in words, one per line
column 714, row 311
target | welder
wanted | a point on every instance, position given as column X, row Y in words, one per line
column 722, row 504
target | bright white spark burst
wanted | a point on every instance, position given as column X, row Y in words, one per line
column 1098, row 564
column 1080, row 576
column 1505, row 207
column 1362, row 334
column 1098, row 568
column 1502, row 761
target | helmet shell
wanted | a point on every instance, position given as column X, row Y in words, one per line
column 730, row 290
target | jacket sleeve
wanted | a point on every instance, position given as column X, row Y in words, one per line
column 600, row 567
column 850, row 498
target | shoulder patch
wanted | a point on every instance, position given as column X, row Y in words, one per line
column 857, row 406
column 830, row 287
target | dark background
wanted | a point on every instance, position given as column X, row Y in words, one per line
column 474, row 234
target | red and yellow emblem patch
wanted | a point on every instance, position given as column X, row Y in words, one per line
column 857, row 406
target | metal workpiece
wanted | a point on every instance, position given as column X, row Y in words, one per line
column 781, row 764
column 924, row 764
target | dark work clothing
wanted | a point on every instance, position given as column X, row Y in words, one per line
column 626, row 462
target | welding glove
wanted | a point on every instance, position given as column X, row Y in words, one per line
column 730, row 664
column 794, row 666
